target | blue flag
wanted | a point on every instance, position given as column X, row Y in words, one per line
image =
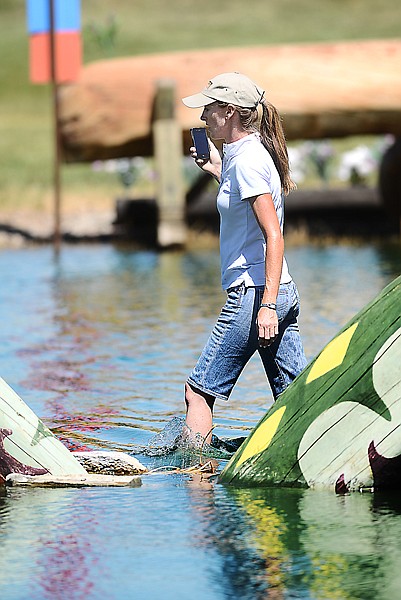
column 67, row 15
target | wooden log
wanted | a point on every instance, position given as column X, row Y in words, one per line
column 322, row 90
column 17, row 479
column 338, row 425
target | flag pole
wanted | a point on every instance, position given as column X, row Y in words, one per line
column 56, row 129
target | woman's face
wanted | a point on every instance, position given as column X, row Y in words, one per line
column 215, row 118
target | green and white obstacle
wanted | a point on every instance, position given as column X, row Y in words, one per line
column 31, row 455
column 338, row 425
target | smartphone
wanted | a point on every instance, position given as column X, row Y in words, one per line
column 201, row 142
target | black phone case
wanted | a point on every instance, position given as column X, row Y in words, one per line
column 201, row 143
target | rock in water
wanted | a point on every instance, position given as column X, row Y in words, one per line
column 110, row 463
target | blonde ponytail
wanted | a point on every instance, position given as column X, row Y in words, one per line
column 273, row 138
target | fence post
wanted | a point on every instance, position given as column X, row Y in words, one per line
column 168, row 153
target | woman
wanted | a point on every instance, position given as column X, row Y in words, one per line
column 262, row 300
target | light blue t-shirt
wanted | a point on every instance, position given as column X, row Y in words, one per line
column 247, row 171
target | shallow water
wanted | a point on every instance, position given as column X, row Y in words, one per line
column 99, row 342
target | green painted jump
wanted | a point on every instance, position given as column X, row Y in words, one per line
column 338, row 425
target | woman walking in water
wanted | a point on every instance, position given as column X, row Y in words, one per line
column 262, row 306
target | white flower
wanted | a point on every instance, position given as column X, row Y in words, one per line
column 297, row 164
column 360, row 160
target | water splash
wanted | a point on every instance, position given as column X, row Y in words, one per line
column 176, row 435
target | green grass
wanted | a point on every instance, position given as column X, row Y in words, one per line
column 149, row 26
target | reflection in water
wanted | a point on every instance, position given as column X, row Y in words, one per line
column 65, row 564
column 99, row 344
column 281, row 543
column 45, row 527
column 176, row 537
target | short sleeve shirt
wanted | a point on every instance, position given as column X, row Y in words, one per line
column 247, row 171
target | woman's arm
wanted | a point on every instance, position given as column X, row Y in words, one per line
column 265, row 213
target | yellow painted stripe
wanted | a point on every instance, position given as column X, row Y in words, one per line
column 262, row 436
column 333, row 354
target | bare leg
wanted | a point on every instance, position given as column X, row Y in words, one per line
column 199, row 412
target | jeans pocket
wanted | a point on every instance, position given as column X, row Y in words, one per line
column 235, row 296
column 284, row 300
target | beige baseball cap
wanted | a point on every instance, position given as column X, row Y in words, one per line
column 232, row 88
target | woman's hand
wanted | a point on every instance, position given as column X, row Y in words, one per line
column 267, row 324
column 211, row 165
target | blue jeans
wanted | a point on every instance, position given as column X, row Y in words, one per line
column 234, row 340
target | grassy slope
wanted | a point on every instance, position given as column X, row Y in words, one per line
column 147, row 26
